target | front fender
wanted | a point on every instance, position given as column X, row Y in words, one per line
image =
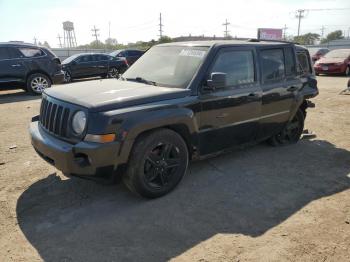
column 155, row 119
column 145, row 121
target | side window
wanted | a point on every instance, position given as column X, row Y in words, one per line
column 272, row 61
column 104, row 58
column 4, row 53
column 84, row 58
column 238, row 66
column 134, row 53
column 289, row 61
column 304, row 62
column 96, row 58
column 31, row 52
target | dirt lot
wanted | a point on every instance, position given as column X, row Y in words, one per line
column 257, row 204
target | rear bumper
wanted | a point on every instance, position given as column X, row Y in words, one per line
column 83, row 158
column 58, row 78
column 330, row 69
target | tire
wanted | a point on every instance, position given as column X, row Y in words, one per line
column 291, row 133
column 36, row 83
column 113, row 72
column 347, row 71
column 67, row 77
column 157, row 163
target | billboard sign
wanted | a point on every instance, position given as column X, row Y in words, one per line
column 270, row 34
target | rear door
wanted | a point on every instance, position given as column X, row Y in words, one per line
column 230, row 115
column 82, row 67
column 12, row 68
column 280, row 84
column 102, row 64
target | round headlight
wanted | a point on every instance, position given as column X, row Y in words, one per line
column 79, row 122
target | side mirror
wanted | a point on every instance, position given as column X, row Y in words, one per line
column 217, row 80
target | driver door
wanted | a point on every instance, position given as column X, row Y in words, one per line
column 230, row 115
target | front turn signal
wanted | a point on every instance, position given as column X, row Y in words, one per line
column 100, row 138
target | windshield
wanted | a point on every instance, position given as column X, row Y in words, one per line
column 172, row 66
column 69, row 59
column 340, row 53
column 114, row 53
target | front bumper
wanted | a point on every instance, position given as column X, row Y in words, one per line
column 83, row 158
column 58, row 78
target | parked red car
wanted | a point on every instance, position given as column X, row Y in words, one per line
column 335, row 62
column 317, row 52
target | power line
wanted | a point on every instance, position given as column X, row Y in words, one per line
column 300, row 13
column 226, row 24
column 59, row 39
column 284, row 31
column 160, row 26
column 95, row 34
column 322, row 31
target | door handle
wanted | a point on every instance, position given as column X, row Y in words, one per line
column 292, row 88
column 222, row 115
column 16, row 65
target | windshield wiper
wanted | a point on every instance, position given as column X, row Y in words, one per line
column 141, row 80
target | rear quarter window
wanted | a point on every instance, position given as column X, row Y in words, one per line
column 31, row 52
column 304, row 64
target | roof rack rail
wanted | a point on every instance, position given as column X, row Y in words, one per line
column 267, row 40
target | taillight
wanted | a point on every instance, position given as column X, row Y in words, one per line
column 126, row 62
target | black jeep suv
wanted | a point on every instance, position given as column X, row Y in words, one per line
column 92, row 65
column 36, row 67
column 179, row 101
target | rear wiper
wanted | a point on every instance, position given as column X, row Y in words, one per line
column 141, row 80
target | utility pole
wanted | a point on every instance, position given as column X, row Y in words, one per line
column 322, row 31
column 160, row 26
column 300, row 15
column 284, row 31
column 95, row 34
column 109, row 29
column 226, row 31
column 59, row 39
column 35, row 43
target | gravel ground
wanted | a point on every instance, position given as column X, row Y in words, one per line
column 256, row 204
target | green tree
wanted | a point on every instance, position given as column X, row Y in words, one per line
column 96, row 44
column 165, row 39
column 307, row 39
column 335, row 35
column 111, row 43
column 46, row 44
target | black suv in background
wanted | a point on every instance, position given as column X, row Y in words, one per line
column 36, row 67
column 92, row 65
column 130, row 55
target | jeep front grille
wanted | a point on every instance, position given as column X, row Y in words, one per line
column 54, row 117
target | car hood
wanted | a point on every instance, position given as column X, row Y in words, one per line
column 109, row 94
column 325, row 60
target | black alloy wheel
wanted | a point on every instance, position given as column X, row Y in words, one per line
column 157, row 163
column 291, row 133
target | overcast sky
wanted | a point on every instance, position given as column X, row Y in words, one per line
column 138, row 20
